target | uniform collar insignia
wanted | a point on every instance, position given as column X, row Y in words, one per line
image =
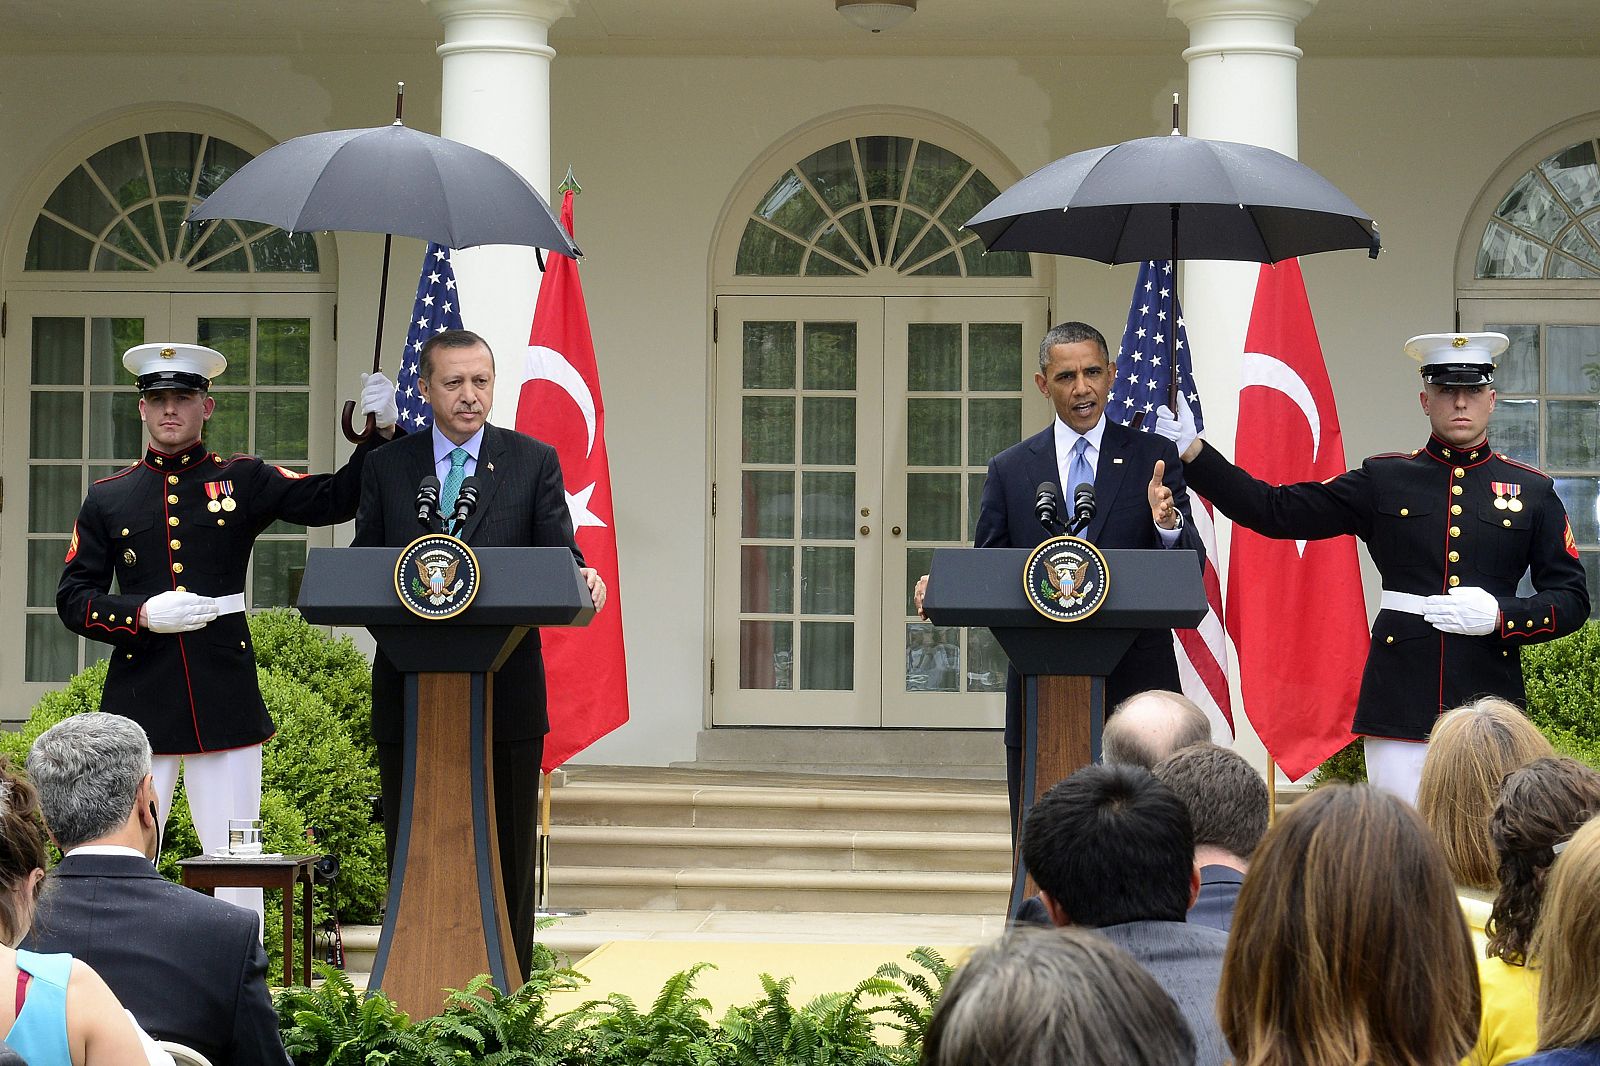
column 1453, row 456
column 177, row 462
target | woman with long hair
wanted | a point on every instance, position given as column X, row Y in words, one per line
column 1567, row 945
column 1348, row 947
column 1540, row 806
column 1471, row 751
column 54, row 1011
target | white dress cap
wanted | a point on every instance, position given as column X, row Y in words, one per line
column 173, row 365
column 1457, row 358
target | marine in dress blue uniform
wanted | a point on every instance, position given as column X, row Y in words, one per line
column 173, row 533
column 1452, row 528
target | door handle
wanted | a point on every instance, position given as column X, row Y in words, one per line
column 865, row 530
column 895, row 530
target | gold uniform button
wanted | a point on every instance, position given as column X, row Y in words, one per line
column 95, row 615
column 1455, row 531
column 124, row 531
column 241, row 644
column 177, row 568
column 224, row 521
column 1454, row 580
column 1455, row 490
column 1388, row 640
column 172, row 521
column 128, row 656
column 172, row 479
column 180, row 588
column 1546, row 619
column 1506, row 522
column 1460, row 472
column 172, row 499
column 1404, row 511
column 176, row 544
column 1455, row 557
column 1455, row 508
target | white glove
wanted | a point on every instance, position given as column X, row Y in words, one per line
column 178, row 612
column 1179, row 428
column 1471, row 612
column 377, row 400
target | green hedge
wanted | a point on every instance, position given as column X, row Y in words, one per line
column 1563, row 682
column 318, row 773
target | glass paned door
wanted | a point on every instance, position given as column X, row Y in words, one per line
column 852, row 438
column 959, row 376
column 1547, row 404
column 65, row 383
column 798, row 479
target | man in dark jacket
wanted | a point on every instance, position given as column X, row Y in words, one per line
column 189, row 967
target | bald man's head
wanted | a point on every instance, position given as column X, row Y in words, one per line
column 1146, row 728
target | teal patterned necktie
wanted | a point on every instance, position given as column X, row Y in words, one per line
column 452, row 483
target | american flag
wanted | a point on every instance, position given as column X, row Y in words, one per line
column 1153, row 345
column 435, row 311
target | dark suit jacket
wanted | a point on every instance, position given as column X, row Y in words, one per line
column 189, row 967
column 1219, row 891
column 521, row 503
column 1006, row 519
column 1186, row 961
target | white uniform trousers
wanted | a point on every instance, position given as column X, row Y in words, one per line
column 220, row 785
column 1395, row 765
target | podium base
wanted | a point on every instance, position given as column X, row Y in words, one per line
column 1062, row 721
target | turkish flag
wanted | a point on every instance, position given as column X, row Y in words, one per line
column 1295, row 608
column 586, row 670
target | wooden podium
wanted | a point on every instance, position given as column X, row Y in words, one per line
column 446, row 919
column 1063, row 664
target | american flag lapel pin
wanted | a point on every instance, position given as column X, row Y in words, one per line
column 491, row 468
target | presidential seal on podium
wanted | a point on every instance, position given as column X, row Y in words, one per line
column 1066, row 579
column 436, row 576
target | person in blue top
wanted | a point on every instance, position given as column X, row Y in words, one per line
column 54, row 1011
column 1567, row 945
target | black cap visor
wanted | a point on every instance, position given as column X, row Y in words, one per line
column 1458, row 374
column 173, row 379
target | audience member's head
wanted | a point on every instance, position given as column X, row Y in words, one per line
column 1348, row 944
column 1055, row 997
column 1540, row 805
column 1567, row 944
column 93, row 771
column 1471, row 751
column 1111, row 844
column 1228, row 801
column 23, row 854
column 1146, row 728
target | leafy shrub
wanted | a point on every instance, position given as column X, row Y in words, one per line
column 331, row 667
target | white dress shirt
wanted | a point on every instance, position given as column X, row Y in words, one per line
column 443, row 446
column 1066, row 440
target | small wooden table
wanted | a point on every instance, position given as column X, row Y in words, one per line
column 204, row 873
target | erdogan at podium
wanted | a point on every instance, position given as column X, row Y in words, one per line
column 490, row 487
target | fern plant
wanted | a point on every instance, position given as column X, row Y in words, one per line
column 481, row 1024
column 332, row 1025
column 834, row 1029
column 913, row 1007
column 676, row 1031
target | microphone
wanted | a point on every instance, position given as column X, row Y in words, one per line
column 466, row 502
column 1045, row 505
column 1082, row 507
column 428, row 502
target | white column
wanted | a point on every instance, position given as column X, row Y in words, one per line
column 1242, row 87
column 496, row 96
column 1243, row 67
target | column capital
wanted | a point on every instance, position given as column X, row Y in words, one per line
column 498, row 25
column 1258, row 27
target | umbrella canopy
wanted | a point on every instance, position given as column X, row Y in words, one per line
column 389, row 179
column 1175, row 197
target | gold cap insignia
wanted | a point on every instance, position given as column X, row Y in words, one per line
column 168, row 353
column 1459, row 342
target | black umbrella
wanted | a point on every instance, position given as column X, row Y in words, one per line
column 1175, row 197
column 388, row 179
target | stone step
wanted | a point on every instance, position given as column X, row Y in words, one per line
column 755, row 807
column 782, row 890
column 777, row 849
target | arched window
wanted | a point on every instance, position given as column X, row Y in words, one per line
column 109, row 264
column 874, row 203
column 122, row 209
column 1535, row 276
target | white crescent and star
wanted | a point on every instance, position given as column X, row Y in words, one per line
column 547, row 364
column 1271, row 372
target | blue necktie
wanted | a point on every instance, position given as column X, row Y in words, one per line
column 452, row 483
column 1078, row 471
